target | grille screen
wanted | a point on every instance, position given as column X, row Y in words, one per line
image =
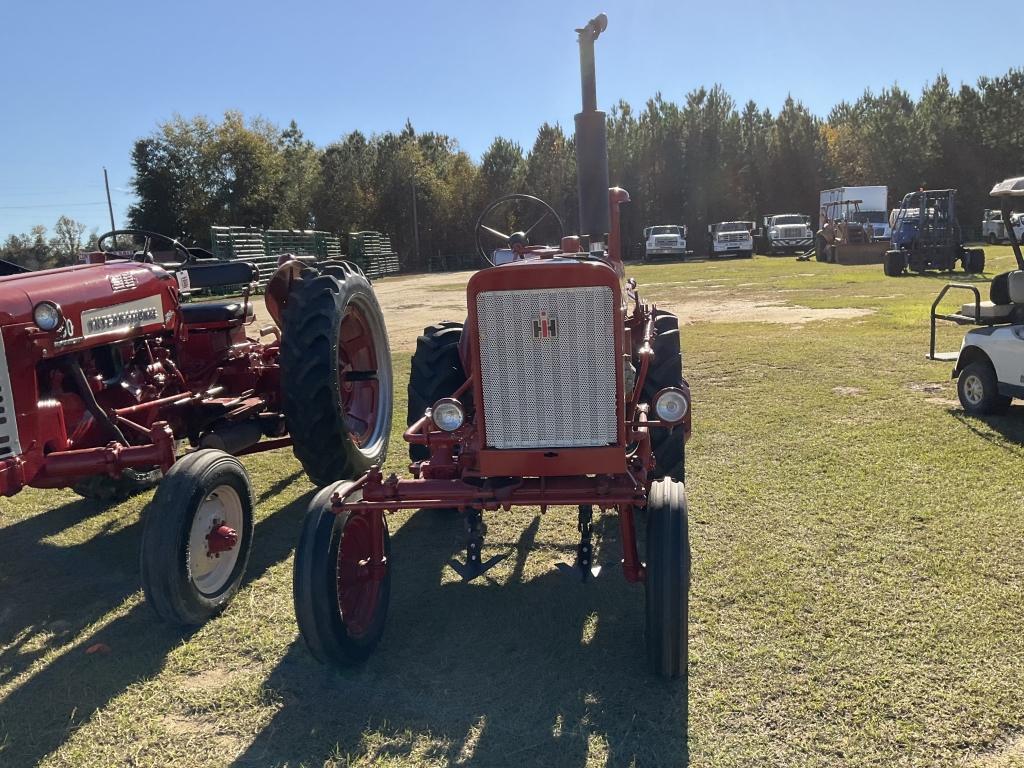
column 548, row 363
column 9, row 445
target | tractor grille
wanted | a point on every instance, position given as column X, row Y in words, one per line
column 9, row 445
column 547, row 360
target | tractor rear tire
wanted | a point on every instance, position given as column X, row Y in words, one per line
column 974, row 261
column 203, row 492
column 893, row 263
column 322, row 560
column 114, row 489
column 666, row 370
column 333, row 329
column 978, row 389
column 667, row 585
column 436, row 372
column 820, row 249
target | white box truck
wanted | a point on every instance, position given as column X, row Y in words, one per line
column 874, row 206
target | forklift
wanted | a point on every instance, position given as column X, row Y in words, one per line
column 926, row 236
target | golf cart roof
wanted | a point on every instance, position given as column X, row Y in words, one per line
column 1009, row 188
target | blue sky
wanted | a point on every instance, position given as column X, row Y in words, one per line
column 80, row 81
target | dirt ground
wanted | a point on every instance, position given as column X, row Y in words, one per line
column 412, row 302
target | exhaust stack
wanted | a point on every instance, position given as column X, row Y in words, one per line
column 592, row 143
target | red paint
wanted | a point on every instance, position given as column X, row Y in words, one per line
column 222, row 538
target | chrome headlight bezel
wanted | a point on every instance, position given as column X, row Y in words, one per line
column 48, row 316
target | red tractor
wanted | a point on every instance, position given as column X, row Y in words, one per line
column 105, row 373
column 562, row 388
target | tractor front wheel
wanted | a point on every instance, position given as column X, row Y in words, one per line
column 436, row 372
column 666, row 370
column 978, row 389
column 197, row 537
column 336, row 375
column 667, row 582
column 113, row 489
column 341, row 595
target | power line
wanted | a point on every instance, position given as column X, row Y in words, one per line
column 53, row 205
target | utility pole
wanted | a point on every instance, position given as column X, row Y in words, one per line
column 110, row 206
column 415, row 224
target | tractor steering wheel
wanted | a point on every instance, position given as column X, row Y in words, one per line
column 520, row 239
column 144, row 255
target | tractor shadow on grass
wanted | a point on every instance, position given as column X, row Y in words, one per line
column 540, row 670
column 80, row 585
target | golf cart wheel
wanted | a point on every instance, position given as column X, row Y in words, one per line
column 436, row 372
column 893, row 263
column 340, row 608
column 666, row 370
column 667, row 584
column 974, row 261
column 336, row 375
column 114, row 489
column 978, row 390
column 992, row 239
column 197, row 537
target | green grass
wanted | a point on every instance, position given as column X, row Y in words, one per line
column 857, row 589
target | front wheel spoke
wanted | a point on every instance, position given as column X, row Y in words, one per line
column 494, row 232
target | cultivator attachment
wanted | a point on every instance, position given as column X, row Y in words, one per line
column 473, row 566
column 584, row 567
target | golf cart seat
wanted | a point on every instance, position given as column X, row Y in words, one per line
column 1006, row 297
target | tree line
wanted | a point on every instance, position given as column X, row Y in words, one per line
column 697, row 161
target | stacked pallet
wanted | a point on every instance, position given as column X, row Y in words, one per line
column 264, row 247
column 372, row 251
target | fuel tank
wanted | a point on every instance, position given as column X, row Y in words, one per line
column 95, row 300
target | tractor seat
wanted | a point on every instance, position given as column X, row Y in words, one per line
column 205, row 312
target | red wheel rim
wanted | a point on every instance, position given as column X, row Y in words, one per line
column 357, row 375
column 358, row 591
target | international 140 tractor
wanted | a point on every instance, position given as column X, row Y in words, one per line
column 562, row 388
column 110, row 383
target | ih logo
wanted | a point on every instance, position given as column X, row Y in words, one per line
column 545, row 327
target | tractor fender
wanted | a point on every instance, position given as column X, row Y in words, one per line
column 280, row 286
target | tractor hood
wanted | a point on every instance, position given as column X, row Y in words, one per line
column 114, row 295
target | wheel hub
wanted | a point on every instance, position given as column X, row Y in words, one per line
column 222, row 538
column 973, row 390
column 214, row 540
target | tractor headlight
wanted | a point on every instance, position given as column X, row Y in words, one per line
column 47, row 316
column 671, row 405
column 447, row 414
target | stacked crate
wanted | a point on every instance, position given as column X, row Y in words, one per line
column 373, row 253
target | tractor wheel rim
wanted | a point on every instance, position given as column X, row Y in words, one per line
column 358, row 591
column 366, row 401
column 211, row 571
column 974, row 391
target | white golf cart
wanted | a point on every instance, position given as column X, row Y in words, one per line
column 990, row 364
